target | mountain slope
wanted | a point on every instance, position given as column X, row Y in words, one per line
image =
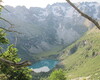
column 82, row 59
column 44, row 29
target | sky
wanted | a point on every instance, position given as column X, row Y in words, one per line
column 38, row 3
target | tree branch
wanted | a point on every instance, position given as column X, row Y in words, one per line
column 10, row 30
column 4, row 8
column 6, row 20
column 84, row 15
column 21, row 64
column 10, row 24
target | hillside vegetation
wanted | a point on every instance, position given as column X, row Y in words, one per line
column 82, row 59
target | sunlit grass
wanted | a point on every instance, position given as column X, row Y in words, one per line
column 86, row 59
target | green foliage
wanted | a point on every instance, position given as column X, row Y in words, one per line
column 3, row 40
column 44, row 78
column 12, row 72
column 11, row 54
column 57, row 75
column 8, row 72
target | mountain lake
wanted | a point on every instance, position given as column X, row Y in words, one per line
column 43, row 66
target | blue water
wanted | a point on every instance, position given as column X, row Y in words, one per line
column 49, row 63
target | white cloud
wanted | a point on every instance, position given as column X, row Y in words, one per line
column 37, row 3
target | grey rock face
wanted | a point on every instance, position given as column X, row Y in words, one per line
column 44, row 28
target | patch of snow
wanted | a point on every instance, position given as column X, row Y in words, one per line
column 34, row 15
column 97, row 11
column 67, row 35
column 42, row 69
column 44, row 13
column 40, row 17
column 56, row 10
column 69, row 12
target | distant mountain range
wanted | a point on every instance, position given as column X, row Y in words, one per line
column 46, row 28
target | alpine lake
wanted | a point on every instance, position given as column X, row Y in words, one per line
column 43, row 65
